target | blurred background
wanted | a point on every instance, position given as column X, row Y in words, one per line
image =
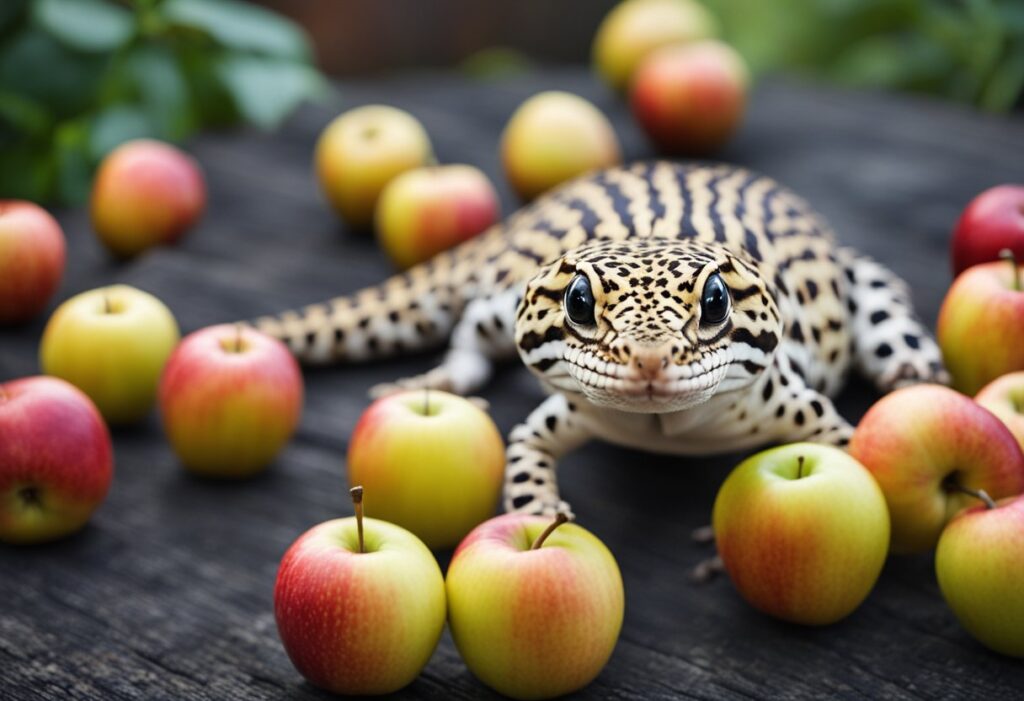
column 80, row 76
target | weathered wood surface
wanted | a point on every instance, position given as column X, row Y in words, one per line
column 167, row 594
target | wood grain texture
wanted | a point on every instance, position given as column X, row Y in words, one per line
column 167, row 594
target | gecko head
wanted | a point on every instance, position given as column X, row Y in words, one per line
column 648, row 326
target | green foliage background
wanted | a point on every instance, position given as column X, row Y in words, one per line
column 78, row 77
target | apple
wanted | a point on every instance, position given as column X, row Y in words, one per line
column 980, row 566
column 803, row 532
column 981, row 325
column 636, row 27
column 534, row 605
column 555, row 136
column 689, row 99
column 426, row 210
column 359, row 604
column 361, row 151
column 1004, row 397
column 926, row 445
column 431, row 462
column 146, row 193
column 230, row 398
column 31, row 259
column 56, row 461
column 111, row 343
column 993, row 221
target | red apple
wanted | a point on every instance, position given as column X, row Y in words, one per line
column 56, row 461
column 926, row 445
column 146, row 193
column 993, row 221
column 31, row 259
column 230, row 398
column 427, row 210
column 690, row 98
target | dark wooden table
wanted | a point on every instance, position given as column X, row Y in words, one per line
column 167, row 593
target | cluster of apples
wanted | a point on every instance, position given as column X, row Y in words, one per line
column 804, row 530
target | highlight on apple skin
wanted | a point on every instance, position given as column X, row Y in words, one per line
column 979, row 563
column 925, row 445
column 1004, row 397
column 56, row 460
column 359, row 622
column 146, row 193
column 534, row 622
column 803, row 532
column 230, row 399
column 32, row 253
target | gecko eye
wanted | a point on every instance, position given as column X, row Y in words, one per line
column 714, row 301
column 579, row 301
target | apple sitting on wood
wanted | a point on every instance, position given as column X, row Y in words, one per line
column 993, row 221
column 31, row 259
column 803, row 532
column 359, row 604
column 535, row 606
column 56, row 461
column 930, row 449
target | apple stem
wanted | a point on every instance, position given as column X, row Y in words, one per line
column 799, row 466
column 238, row 338
column 1007, row 255
column 559, row 520
column 426, row 401
column 106, row 304
column 977, row 494
column 357, row 500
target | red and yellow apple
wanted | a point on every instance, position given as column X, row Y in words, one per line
column 230, row 398
column 635, row 28
column 980, row 566
column 146, row 193
column 361, row 151
column 426, row 210
column 803, row 532
column 690, row 98
column 1004, row 397
column 360, row 606
column 111, row 343
column 56, row 461
column 991, row 222
column 31, row 259
column 431, row 462
column 925, row 445
column 534, row 605
column 555, row 136
column 981, row 325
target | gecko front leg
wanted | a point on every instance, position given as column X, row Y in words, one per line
column 535, row 445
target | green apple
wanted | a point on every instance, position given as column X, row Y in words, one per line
column 431, row 462
column 1004, row 397
column 111, row 343
column 535, row 606
column 803, row 532
column 980, row 565
column 359, row 604
column 361, row 151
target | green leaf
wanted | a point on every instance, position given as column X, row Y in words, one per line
column 241, row 26
column 36, row 66
column 24, row 115
column 10, row 12
column 265, row 91
column 26, row 172
column 86, row 25
column 115, row 125
column 162, row 89
column 72, row 162
column 1006, row 83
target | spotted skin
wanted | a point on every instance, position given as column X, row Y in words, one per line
column 658, row 360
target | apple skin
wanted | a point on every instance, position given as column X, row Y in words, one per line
column 690, row 99
column 915, row 439
column 991, row 222
column 981, row 326
column 32, row 254
column 361, row 151
column 635, row 28
column 114, row 357
column 534, row 624
column 230, row 398
column 555, row 136
column 427, row 210
column 1004, row 397
column 437, row 474
column 980, row 567
column 359, row 623
column 146, row 193
column 809, row 549
column 53, row 442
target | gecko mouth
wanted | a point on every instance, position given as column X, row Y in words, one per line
column 661, row 394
